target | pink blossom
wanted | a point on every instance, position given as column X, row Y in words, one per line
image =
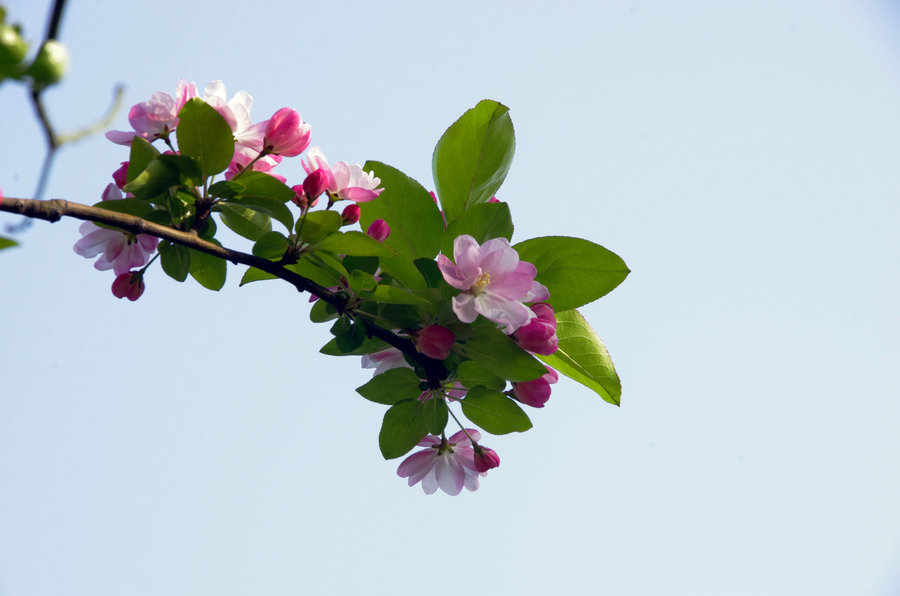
column 379, row 230
column 316, row 183
column 286, row 133
column 236, row 113
column 435, row 341
column 538, row 336
column 494, row 283
column 119, row 176
column 121, row 251
column 129, row 285
column 350, row 214
column 155, row 118
column 385, row 360
column 448, row 464
column 346, row 181
column 485, row 459
column 536, row 393
column 244, row 156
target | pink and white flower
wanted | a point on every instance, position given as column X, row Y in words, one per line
column 448, row 464
column 286, row 133
column 346, row 181
column 120, row 251
column 236, row 112
column 494, row 283
column 155, row 118
column 244, row 156
column 385, row 360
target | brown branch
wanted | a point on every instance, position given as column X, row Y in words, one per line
column 55, row 209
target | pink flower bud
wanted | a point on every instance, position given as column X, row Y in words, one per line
column 129, row 285
column 535, row 393
column 435, row 341
column 485, row 459
column 286, row 133
column 300, row 199
column 538, row 336
column 379, row 230
column 350, row 214
column 493, row 200
column 120, row 174
column 544, row 311
column 315, row 183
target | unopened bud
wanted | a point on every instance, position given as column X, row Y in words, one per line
column 12, row 47
column 315, row 184
column 350, row 214
column 379, row 230
column 485, row 459
column 51, row 63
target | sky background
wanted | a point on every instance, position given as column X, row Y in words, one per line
column 740, row 156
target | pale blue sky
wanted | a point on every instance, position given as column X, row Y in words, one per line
column 741, row 157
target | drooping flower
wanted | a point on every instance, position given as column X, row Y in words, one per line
column 435, row 341
column 494, row 283
column 346, row 181
column 448, row 464
column 538, row 336
column 535, row 393
column 155, row 118
column 485, row 458
column 129, row 285
column 121, row 251
column 286, row 133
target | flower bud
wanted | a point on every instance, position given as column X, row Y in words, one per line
column 435, row 341
column 379, row 230
column 50, row 64
column 300, row 199
column 350, row 214
column 286, row 133
column 12, row 47
column 538, row 336
column 485, row 459
column 120, row 175
column 129, row 285
column 315, row 184
column 535, row 393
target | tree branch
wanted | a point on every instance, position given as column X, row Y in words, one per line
column 55, row 209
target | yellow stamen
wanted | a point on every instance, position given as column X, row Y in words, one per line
column 483, row 281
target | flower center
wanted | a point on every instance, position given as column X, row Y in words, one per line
column 483, row 281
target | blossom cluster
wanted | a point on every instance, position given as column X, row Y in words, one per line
column 258, row 146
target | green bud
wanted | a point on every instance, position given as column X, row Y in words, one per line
column 12, row 47
column 51, row 63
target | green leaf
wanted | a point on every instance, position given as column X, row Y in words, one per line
column 226, row 189
column 271, row 245
column 368, row 346
column 404, row 425
column 156, row 179
column 431, row 272
column 472, row 375
column 435, row 413
column 360, row 281
column 322, row 312
column 209, row 271
column 253, row 274
column 175, row 259
column 205, row 135
column 270, row 207
column 351, row 339
column 395, row 295
column 317, row 225
column 246, row 222
column 367, row 264
column 392, row 386
column 354, row 243
column 575, row 271
column 142, row 153
column 263, row 186
column 314, row 272
column 188, row 169
column 7, row 243
column 472, row 157
column 500, row 355
column 494, row 412
column 583, row 357
column 483, row 222
column 404, row 271
column 414, row 219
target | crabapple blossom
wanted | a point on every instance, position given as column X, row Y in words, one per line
column 286, row 134
column 129, row 285
column 485, row 458
column 379, row 230
column 346, row 181
column 435, row 341
column 385, row 360
column 538, row 336
column 536, row 393
column 448, row 464
column 121, row 251
column 236, row 113
column 244, row 156
column 155, row 118
column 494, row 283
column 315, row 183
